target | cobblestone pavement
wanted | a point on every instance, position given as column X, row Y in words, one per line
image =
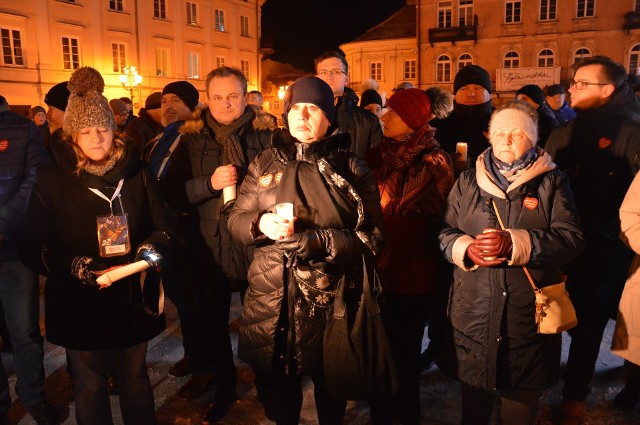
column 439, row 394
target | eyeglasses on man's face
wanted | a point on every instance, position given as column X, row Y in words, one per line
column 332, row 72
column 579, row 85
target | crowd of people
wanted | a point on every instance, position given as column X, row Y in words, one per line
column 381, row 200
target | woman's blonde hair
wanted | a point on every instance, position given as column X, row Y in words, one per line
column 117, row 149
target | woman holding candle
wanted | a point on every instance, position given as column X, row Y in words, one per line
column 94, row 209
column 492, row 304
column 293, row 277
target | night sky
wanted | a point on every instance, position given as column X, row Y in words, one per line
column 299, row 30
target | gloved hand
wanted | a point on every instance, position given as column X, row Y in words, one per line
column 495, row 244
column 149, row 254
column 307, row 245
column 87, row 270
column 475, row 254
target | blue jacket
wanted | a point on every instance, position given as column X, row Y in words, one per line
column 22, row 151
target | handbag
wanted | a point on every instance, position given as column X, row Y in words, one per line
column 358, row 361
column 554, row 310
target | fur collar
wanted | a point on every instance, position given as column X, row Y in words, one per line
column 196, row 122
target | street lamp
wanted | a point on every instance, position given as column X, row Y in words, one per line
column 130, row 79
column 281, row 91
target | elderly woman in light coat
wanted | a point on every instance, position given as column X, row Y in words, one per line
column 492, row 304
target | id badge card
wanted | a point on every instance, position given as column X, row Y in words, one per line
column 113, row 235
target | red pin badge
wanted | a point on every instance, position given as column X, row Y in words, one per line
column 4, row 144
column 530, row 203
column 604, row 142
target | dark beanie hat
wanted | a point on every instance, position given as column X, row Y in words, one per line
column 554, row 89
column 370, row 96
column 311, row 90
column 412, row 106
column 185, row 91
column 153, row 101
column 472, row 74
column 37, row 109
column 534, row 92
column 58, row 96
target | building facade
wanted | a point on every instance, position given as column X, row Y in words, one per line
column 523, row 42
column 43, row 41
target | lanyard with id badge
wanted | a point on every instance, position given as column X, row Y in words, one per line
column 113, row 229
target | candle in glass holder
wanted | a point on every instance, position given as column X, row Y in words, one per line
column 461, row 148
column 228, row 193
column 285, row 210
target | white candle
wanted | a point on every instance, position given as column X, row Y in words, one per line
column 228, row 193
column 461, row 148
column 285, row 210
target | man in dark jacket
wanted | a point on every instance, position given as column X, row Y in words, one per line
column 21, row 153
column 366, row 133
column 534, row 96
column 470, row 117
column 169, row 163
column 147, row 124
column 599, row 150
column 221, row 144
column 556, row 99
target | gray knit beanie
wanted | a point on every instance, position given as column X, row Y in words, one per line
column 87, row 107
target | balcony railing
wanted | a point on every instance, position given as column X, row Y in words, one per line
column 440, row 35
column 632, row 20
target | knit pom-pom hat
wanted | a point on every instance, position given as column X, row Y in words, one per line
column 87, row 107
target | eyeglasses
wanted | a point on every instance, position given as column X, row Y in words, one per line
column 579, row 85
column 333, row 72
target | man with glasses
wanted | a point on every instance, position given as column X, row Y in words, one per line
column 366, row 133
column 221, row 142
column 599, row 150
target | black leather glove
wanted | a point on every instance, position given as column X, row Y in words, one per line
column 307, row 245
column 87, row 270
column 149, row 254
column 495, row 244
column 475, row 254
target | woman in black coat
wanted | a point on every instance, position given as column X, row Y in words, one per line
column 492, row 303
column 296, row 269
column 96, row 208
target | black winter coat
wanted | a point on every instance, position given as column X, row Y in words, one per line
column 142, row 129
column 21, row 153
column 363, row 126
column 492, row 309
column 61, row 225
column 205, row 155
column 263, row 302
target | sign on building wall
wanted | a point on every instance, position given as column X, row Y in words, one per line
column 511, row 79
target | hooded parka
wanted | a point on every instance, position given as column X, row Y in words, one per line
column 492, row 309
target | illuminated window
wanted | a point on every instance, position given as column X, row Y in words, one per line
column 219, row 61
column 409, row 69
column 443, row 69
column 375, row 70
column 546, row 58
column 244, row 26
column 192, row 14
column 160, row 9
column 11, row 46
column 464, row 60
column 219, row 24
column 511, row 60
column 193, row 65
column 586, row 9
column 118, row 52
column 244, row 67
column 444, row 14
column 162, row 62
column 547, row 10
column 465, row 13
column 513, row 10
column 70, row 53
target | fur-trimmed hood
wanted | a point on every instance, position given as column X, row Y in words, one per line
column 195, row 124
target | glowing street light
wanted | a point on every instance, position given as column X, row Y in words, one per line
column 281, row 91
column 130, row 79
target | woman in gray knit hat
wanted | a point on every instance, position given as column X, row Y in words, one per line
column 94, row 210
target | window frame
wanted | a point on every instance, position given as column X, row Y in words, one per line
column 218, row 20
column 585, row 9
column 548, row 10
column 116, row 5
column 160, row 9
column 513, row 16
column 546, row 57
column 410, row 69
column 191, row 17
column 219, row 61
column 462, row 62
column 244, row 26
column 577, row 58
column 509, row 58
column 465, row 13
column 443, row 69
column 121, row 58
column 13, row 50
column 193, row 69
column 634, row 55
column 70, row 53
column 444, row 13
column 245, row 67
column 375, row 70
column 165, row 62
